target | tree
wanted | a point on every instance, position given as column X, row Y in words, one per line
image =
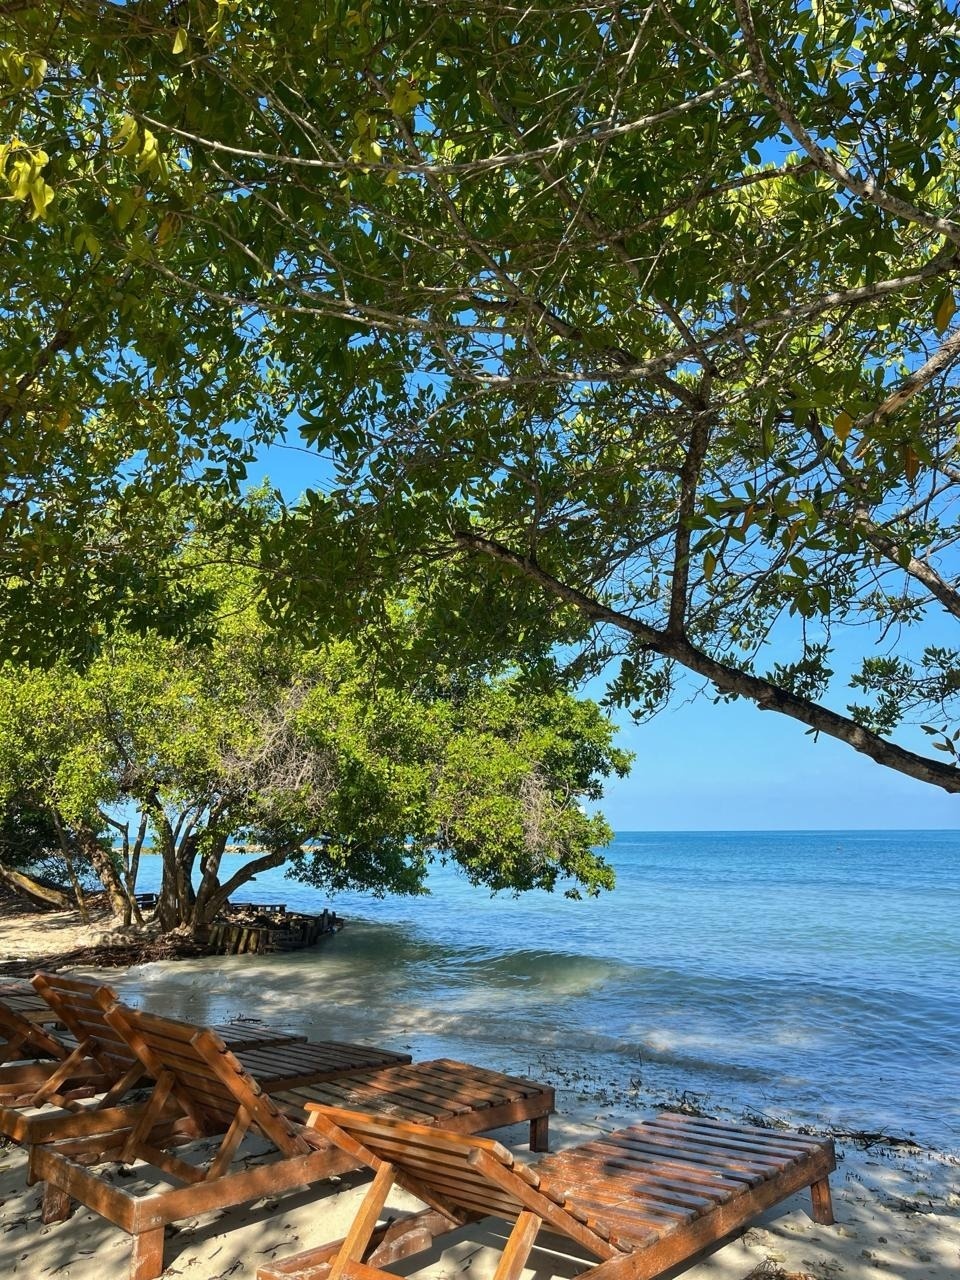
column 32, row 860
column 303, row 757
column 631, row 327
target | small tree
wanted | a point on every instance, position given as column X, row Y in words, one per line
column 303, row 758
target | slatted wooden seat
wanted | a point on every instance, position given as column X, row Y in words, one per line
column 216, row 1095
column 46, row 1102
column 456, row 1095
column 641, row 1200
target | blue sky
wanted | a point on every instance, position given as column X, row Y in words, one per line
column 726, row 767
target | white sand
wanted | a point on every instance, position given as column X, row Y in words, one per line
column 898, row 1209
column 898, row 1215
column 26, row 934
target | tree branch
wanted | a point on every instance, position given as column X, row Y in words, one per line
column 866, row 189
column 689, row 480
column 246, row 872
column 726, row 679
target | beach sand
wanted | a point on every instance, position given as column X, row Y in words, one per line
column 40, row 933
column 897, row 1208
column 898, row 1215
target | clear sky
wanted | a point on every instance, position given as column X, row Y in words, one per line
column 724, row 767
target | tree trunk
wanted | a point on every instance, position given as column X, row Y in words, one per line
column 251, row 867
column 103, row 865
column 208, row 901
column 34, row 891
column 66, row 850
column 133, row 866
column 173, row 904
column 128, row 868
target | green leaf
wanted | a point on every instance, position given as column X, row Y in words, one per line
column 842, row 425
column 405, row 97
column 944, row 312
column 180, row 40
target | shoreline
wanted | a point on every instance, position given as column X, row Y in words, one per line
column 93, row 948
column 897, row 1203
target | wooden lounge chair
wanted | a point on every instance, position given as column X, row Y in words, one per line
column 20, row 1003
column 43, row 1102
column 21, row 1037
column 640, row 1201
column 216, row 1096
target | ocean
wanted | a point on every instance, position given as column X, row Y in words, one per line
column 809, row 976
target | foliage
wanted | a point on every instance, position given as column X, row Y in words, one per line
column 643, row 313
column 306, row 757
column 31, row 844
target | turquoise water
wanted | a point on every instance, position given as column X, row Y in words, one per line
column 812, row 975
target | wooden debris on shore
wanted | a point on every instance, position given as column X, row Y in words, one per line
column 770, row 1270
column 247, row 928
column 108, row 956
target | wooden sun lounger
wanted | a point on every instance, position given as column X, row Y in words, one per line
column 72, row 1000
column 27, row 1005
column 641, row 1200
column 215, row 1095
column 44, row 1102
column 21, row 1037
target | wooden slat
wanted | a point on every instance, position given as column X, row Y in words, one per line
column 461, row 1070
column 253, row 1034
column 659, row 1192
column 632, row 1156
column 703, row 1122
column 725, row 1139
column 682, row 1190
column 698, row 1159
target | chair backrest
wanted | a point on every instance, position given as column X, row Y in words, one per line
column 206, row 1079
column 19, row 1037
column 471, row 1176
column 80, row 1006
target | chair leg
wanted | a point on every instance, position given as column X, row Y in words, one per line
column 57, row 1205
column 518, row 1246
column 540, row 1134
column 147, row 1254
column 822, row 1204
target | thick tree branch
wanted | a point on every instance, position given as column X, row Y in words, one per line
column 938, row 363
column 726, row 679
column 35, row 890
column 247, row 871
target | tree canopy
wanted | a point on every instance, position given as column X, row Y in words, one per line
column 626, row 326
column 305, row 756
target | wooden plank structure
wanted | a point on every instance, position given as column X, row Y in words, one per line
column 31, row 1006
column 216, row 1095
column 443, row 1091
column 45, row 1102
column 641, row 1201
column 245, row 937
